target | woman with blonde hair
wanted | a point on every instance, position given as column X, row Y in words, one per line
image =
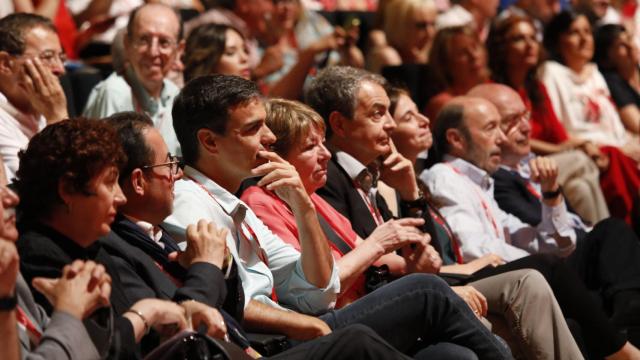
column 409, row 28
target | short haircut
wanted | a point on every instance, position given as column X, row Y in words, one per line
column 130, row 127
column 291, row 121
column 205, row 45
column 558, row 26
column 134, row 13
column 450, row 117
column 336, row 89
column 13, row 28
column 204, row 103
column 73, row 151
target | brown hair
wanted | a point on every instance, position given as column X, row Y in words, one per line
column 74, row 151
column 290, row 121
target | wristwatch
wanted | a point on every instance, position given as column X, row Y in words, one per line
column 548, row 195
column 8, row 303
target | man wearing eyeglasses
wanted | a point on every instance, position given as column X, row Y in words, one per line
column 152, row 45
column 31, row 97
column 576, row 172
column 469, row 136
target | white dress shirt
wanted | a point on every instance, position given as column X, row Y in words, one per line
column 204, row 199
column 16, row 129
column 465, row 193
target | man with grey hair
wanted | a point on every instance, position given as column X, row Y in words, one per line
column 355, row 106
column 152, row 44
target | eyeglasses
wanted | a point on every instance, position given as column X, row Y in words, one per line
column 145, row 42
column 509, row 122
column 48, row 57
column 173, row 164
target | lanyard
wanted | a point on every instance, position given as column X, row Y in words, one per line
column 487, row 209
column 32, row 331
column 375, row 213
column 532, row 189
column 262, row 255
column 452, row 238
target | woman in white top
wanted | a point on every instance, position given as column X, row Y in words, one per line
column 577, row 89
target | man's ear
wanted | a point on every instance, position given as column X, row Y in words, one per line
column 457, row 142
column 137, row 182
column 337, row 123
column 6, row 63
column 207, row 140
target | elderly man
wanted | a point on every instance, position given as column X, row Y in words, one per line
column 31, row 97
column 152, row 43
column 220, row 122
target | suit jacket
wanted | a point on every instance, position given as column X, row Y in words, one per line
column 512, row 195
column 138, row 257
column 341, row 193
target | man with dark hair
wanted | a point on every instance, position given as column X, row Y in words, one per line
column 152, row 44
column 147, row 181
column 220, row 122
column 31, row 97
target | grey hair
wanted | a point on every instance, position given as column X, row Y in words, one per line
column 336, row 88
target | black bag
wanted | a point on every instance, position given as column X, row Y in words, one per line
column 190, row 345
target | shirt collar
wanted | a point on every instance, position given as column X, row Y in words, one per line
column 231, row 205
column 474, row 173
column 351, row 165
column 26, row 119
column 154, row 232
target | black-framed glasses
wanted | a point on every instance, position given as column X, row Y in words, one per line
column 173, row 164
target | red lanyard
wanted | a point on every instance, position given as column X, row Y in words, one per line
column 485, row 206
column 452, row 238
column 33, row 332
column 372, row 209
column 262, row 255
column 532, row 189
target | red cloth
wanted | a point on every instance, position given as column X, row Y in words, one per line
column 619, row 183
column 277, row 216
column 545, row 125
column 67, row 30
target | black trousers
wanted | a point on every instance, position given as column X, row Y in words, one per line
column 352, row 342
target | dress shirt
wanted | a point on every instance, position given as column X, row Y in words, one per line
column 155, row 233
column 114, row 95
column 205, row 199
column 16, row 129
column 357, row 171
column 465, row 193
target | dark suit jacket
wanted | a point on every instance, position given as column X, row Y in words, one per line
column 138, row 257
column 510, row 191
column 341, row 193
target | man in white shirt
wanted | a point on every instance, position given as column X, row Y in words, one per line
column 220, row 122
column 152, row 43
column 474, row 13
column 31, row 97
column 468, row 135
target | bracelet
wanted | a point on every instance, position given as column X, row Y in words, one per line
column 144, row 320
column 8, row 303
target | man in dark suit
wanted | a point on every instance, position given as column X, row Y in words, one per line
column 355, row 106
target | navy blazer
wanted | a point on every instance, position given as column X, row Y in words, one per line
column 512, row 195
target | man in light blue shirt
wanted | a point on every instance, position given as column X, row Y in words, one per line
column 152, row 44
